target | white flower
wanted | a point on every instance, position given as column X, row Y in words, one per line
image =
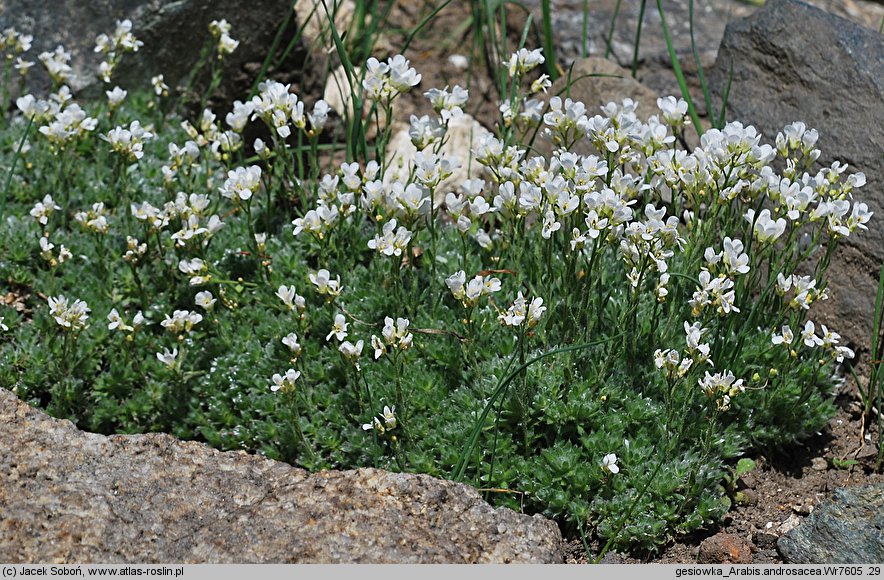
column 43, row 210
column 115, row 97
column 456, row 283
column 721, row 384
column 168, row 358
column 808, row 335
column 394, row 335
column 339, row 328
column 459, row 61
column 290, row 298
column 219, row 27
column 389, row 243
column 785, row 337
column 160, row 88
column 843, row 352
column 291, row 341
column 3, row 326
column 351, row 351
column 448, row 104
column 609, row 463
column 242, row 183
column 226, row 45
column 524, row 61
column 386, row 80
column 735, row 260
column 766, row 228
column 116, row 322
column 205, row 300
column 325, row 285
column 550, row 225
column 674, row 111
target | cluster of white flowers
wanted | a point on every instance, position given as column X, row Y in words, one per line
column 291, row 299
column 386, row 80
column 57, row 64
column 828, row 340
column 242, row 183
column 803, row 288
column 394, row 336
column 676, row 365
column 160, row 88
column 721, row 387
column 94, row 219
column 181, row 321
column 13, row 44
column 134, row 250
column 190, row 212
column 181, row 159
column 280, row 109
column 469, row 293
column 220, row 30
column 291, row 342
column 59, row 119
column 391, row 242
column 285, row 382
column 208, row 133
column 69, row 315
column 115, row 98
column 521, row 313
column 114, row 46
column 129, row 143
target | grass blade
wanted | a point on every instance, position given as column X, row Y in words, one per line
column 718, row 123
column 11, row 171
column 611, row 29
column 638, row 37
column 549, row 47
column 679, row 75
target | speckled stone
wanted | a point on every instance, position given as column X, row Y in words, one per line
column 848, row 529
column 71, row 496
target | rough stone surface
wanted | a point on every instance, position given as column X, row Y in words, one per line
column 793, row 62
column 71, row 496
column 725, row 549
column 173, row 34
column 849, row 529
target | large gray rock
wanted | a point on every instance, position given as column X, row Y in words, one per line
column 173, row 33
column 71, row 496
column 849, row 529
column 793, row 62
